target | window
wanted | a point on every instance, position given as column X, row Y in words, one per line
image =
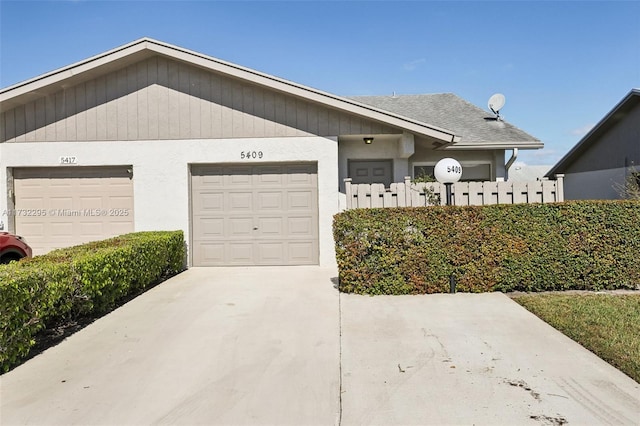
column 470, row 172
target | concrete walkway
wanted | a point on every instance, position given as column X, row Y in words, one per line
column 271, row 346
column 463, row 359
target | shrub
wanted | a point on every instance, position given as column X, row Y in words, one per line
column 529, row 247
column 89, row 279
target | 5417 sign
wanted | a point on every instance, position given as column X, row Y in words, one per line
column 251, row 155
column 68, row 160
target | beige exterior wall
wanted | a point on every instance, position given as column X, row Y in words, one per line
column 160, row 98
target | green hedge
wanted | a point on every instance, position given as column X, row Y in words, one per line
column 89, row 279
column 528, row 247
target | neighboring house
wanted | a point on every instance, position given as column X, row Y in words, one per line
column 151, row 136
column 603, row 159
column 526, row 173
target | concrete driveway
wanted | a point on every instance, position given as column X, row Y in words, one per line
column 270, row 346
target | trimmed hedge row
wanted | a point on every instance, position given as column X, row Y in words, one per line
column 88, row 279
column 589, row 245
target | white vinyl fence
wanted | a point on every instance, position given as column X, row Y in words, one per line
column 407, row 194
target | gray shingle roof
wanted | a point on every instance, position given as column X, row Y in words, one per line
column 449, row 111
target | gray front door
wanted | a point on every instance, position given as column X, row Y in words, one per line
column 371, row 171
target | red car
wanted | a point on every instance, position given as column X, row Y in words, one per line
column 13, row 247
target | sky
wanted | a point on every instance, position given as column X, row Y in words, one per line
column 561, row 65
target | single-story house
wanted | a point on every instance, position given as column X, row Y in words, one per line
column 151, row 136
column 598, row 165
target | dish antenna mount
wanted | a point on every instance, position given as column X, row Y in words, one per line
column 496, row 102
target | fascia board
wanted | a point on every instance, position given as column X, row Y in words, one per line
column 495, row 145
column 69, row 71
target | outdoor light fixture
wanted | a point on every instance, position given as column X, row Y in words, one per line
column 368, row 140
column 448, row 171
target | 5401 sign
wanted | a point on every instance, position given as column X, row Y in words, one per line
column 251, row 155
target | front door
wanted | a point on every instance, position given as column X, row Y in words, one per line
column 371, row 171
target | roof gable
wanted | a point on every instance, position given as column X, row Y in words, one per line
column 615, row 116
column 29, row 91
column 159, row 98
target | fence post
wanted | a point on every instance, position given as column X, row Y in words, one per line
column 407, row 191
column 347, row 191
column 560, row 187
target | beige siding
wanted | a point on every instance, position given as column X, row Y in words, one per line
column 164, row 99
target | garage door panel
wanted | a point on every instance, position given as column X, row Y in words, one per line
column 272, row 226
column 210, row 202
column 211, row 254
column 266, row 208
column 240, row 226
column 300, row 176
column 91, row 229
column 214, row 180
column 61, row 229
column 300, row 200
column 240, row 202
column 238, row 175
column 301, row 226
column 209, row 227
column 60, row 185
column 270, row 200
column 121, row 203
column 240, row 253
column 269, row 177
column 119, row 227
column 270, row 252
column 91, row 203
column 32, row 203
column 70, row 197
column 58, row 203
column 302, row 253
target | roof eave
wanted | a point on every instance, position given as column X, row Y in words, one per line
column 495, row 145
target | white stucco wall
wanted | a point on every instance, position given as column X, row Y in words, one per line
column 593, row 185
column 161, row 173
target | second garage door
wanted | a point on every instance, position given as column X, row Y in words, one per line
column 263, row 214
column 64, row 206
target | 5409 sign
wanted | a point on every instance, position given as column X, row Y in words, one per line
column 251, row 155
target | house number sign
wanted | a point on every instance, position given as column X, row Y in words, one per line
column 68, row 160
column 251, row 155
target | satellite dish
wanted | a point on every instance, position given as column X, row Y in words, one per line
column 496, row 102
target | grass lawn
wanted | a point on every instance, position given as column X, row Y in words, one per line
column 606, row 324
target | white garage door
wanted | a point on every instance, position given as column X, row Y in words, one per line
column 254, row 214
column 65, row 206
